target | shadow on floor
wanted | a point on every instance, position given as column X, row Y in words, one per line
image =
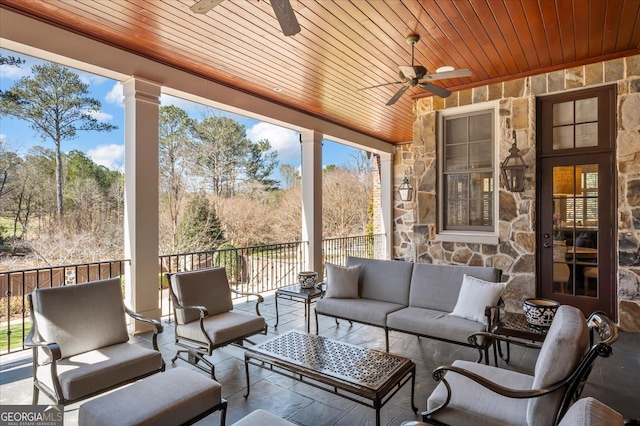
column 613, row 381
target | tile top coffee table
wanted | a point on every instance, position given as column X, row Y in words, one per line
column 343, row 369
column 297, row 293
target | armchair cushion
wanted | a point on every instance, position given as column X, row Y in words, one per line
column 89, row 372
column 222, row 328
column 80, row 318
column 475, row 295
column 566, row 344
column 205, row 287
column 342, row 281
column 591, row 412
column 471, row 403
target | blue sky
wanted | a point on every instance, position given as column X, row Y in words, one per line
column 107, row 148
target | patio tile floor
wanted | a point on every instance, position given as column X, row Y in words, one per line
column 613, row 381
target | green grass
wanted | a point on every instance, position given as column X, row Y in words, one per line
column 16, row 336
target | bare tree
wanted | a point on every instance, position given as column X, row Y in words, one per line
column 345, row 203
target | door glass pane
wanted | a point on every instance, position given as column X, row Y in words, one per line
column 586, row 110
column 586, row 135
column 563, row 137
column 575, row 230
column 563, row 113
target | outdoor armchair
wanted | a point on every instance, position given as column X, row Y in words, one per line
column 471, row 393
column 81, row 344
column 205, row 318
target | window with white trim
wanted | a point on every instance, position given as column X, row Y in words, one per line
column 467, row 175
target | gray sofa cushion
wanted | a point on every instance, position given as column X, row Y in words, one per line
column 473, row 404
column 433, row 323
column 207, row 287
column 92, row 371
column 81, row 317
column 384, row 280
column 359, row 310
column 437, row 286
column 566, row 344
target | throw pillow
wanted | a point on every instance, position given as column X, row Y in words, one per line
column 342, row 281
column 475, row 295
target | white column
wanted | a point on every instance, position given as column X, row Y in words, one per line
column 386, row 199
column 141, row 104
column 312, row 197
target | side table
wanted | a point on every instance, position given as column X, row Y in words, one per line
column 515, row 326
column 298, row 294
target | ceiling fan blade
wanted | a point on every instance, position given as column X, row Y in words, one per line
column 410, row 72
column 399, row 93
column 436, row 90
column 203, row 6
column 380, row 85
column 286, row 17
column 448, row 74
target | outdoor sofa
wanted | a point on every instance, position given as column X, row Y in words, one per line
column 416, row 298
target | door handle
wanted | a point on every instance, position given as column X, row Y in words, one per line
column 547, row 245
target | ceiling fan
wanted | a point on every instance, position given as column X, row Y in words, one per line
column 412, row 75
column 282, row 9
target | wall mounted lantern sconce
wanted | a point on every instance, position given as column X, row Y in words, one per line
column 513, row 169
column 405, row 189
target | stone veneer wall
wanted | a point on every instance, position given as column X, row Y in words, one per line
column 415, row 222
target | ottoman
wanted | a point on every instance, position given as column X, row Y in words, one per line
column 262, row 418
column 175, row 397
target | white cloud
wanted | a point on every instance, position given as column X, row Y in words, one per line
column 285, row 141
column 88, row 78
column 12, row 72
column 100, row 115
column 110, row 156
column 115, row 95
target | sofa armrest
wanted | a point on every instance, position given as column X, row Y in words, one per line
column 492, row 313
column 258, row 302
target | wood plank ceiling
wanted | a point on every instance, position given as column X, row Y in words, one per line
column 349, row 45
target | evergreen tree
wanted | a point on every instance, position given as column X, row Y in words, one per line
column 55, row 103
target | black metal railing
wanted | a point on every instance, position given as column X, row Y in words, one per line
column 16, row 284
column 256, row 269
column 336, row 250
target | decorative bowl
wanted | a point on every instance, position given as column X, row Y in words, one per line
column 540, row 312
column 308, row 279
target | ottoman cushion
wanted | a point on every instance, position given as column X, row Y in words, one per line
column 261, row 418
column 170, row 398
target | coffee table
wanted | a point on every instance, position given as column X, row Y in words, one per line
column 297, row 293
column 343, row 369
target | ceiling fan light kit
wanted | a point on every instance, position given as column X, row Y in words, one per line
column 411, row 75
